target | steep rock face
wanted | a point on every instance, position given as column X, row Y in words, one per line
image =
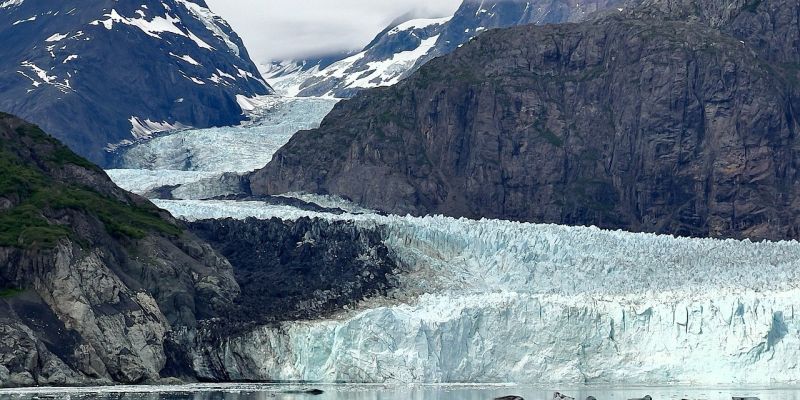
column 93, row 279
column 771, row 28
column 407, row 44
column 300, row 269
column 645, row 124
column 107, row 72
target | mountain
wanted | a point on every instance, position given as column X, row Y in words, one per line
column 286, row 76
column 107, row 73
column 98, row 286
column 383, row 62
column 677, row 117
column 407, row 44
column 95, row 281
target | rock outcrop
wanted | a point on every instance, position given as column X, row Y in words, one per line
column 306, row 269
column 303, row 269
column 94, row 280
column 675, row 116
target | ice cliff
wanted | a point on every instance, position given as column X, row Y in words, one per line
column 497, row 301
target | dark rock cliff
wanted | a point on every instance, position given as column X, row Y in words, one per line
column 288, row 271
column 303, row 269
column 675, row 116
column 93, row 280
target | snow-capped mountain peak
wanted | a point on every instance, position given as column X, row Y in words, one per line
column 108, row 72
column 383, row 62
column 406, row 45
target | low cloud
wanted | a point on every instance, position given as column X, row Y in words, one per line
column 281, row 29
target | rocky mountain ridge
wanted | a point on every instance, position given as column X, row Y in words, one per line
column 672, row 117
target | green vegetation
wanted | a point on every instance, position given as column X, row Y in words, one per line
column 437, row 74
column 24, row 179
column 595, row 195
column 551, row 137
column 752, row 6
column 60, row 155
column 545, row 133
column 10, row 292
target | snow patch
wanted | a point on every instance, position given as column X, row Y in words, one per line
column 11, row 3
column 144, row 129
column 419, row 24
column 56, row 37
column 186, row 58
column 154, row 27
column 44, row 78
column 33, row 18
column 246, row 103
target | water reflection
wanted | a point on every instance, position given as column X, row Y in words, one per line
column 372, row 392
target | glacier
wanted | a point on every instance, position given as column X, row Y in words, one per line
column 496, row 301
column 231, row 149
column 196, row 159
column 493, row 301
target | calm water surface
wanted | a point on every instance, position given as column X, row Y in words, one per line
column 381, row 392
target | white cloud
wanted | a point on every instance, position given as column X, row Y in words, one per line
column 279, row 29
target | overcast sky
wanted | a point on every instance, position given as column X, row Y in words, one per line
column 280, row 29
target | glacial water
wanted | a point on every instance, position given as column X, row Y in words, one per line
column 381, row 392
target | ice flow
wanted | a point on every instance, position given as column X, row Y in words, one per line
column 197, row 158
column 499, row 301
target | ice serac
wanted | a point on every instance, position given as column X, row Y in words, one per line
column 641, row 120
column 106, row 73
column 498, row 301
column 409, row 42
